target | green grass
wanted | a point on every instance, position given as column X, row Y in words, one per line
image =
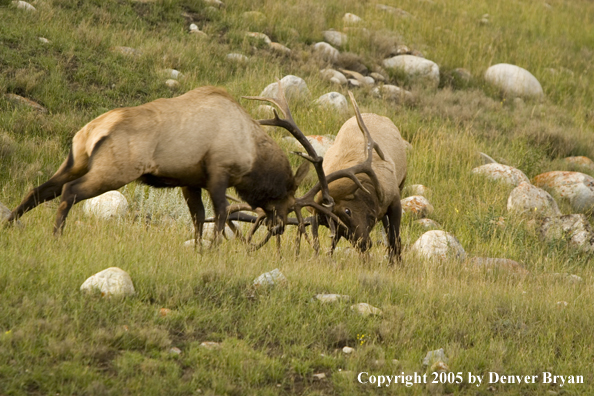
column 53, row 339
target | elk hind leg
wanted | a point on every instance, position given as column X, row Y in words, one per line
column 391, row 222
column 193, row 197
column 90, row 185
column 50, row 189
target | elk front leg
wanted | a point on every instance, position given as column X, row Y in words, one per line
column 193, row 197
column 217, row 186
column 391, row 222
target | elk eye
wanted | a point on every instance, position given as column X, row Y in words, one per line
column 347, row 211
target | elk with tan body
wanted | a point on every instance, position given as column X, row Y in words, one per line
column 360, row 179
column 202, row 139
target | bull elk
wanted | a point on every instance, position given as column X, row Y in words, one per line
column 202, row 139
column 360, row 179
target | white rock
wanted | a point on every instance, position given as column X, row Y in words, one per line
column 212, row 345
column 416, row 189
column 44, row 40
column 574, row 228
column 293, row 86
column 354, row 83
column 504, row 173
column 112, row 282
column 272, row 278
column 175, row 351
column 333, row 101
column 172, row 73
column 416, row 68
column 319, row 376
column 238, row 58
column 580, row 161
column 562, row 304
column 326, row 52
column 393, row 10
column 194, row 28
column 513, row 80
column 437, row 244
column 428, row 224
column 335, row 38
column 171, row 83
column 321, row 143
column 17, row 99
column 332, row 298
column 568, row 277
column 368, row 80
column 378, row 77
column 105, row 206
column 208, row 231
column 4, row 213
column 266, row 111
column 352, row 19
column 530, row 200
column 23, row 5
column 330, row 74
column 348, row 350
column 433, row 357
column 279, row 48
column 489, row 263
column 576, row 187
column 417, row 206
column 215, row 3
column 365, row 309
column 259, row 37
column 391, row 92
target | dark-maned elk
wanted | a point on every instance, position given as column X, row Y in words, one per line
column 202, row 139
column 364, row 173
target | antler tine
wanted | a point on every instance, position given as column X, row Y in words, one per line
column 289, row 124
column 371, row 144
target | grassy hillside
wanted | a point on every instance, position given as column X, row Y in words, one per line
column 54, row 340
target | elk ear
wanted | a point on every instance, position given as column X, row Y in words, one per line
column 302, row 171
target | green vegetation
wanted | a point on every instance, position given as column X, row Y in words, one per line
column 53, row 340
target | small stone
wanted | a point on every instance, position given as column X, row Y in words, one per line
column 127, row 51
column 532, row 201
column 378, row 77
column 335, row 38
column 259, row 37
column 194, row 27
column 428, row 224
column 415, row 68
column 237, row 58
column 434, row 356
column 354, row 83
column 500, row 172
column 333, row 101
column 576, row 187
column 23, row 5
column 164, row 312
column 416, row 189
column 266, row 111
column 574, row 228
column 332, row 298
column 580, row 161
column 215, row 3
column 501, row 264
column 391, row 92
column 330, row 74
column 352, row 19
column 172, row 84
column 365, row 309
column 280, row 49
column 112, row 282
column 111, row 204
column 513, row 80
column 272, row 278
column 210, row 345
column 293, row 86
column 439, row 245
column 17, row 99
column 326, row 52
column 319, row 376
column 175, row 351
column 348, row 350
column 44, row 40
column 417, row 206
column 172, row 73
column 562, row 304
